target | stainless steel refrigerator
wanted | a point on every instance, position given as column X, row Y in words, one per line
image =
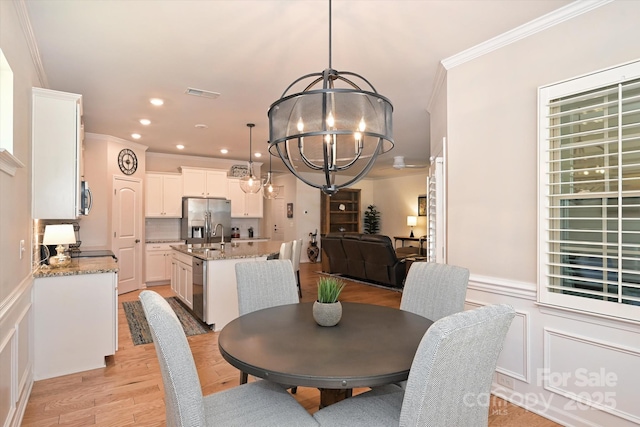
column 201, row 215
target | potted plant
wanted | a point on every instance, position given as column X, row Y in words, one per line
column 327, row 310
column 371, row 220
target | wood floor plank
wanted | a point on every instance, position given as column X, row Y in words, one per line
column 129, row 390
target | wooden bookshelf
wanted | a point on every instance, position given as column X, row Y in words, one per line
column 341, row 212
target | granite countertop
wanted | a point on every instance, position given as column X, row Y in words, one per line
column 232, row 250
column 80, row 266
column 165, row 241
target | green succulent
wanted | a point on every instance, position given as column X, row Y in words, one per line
column 329, row 289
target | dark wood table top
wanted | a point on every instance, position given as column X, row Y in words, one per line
column 372, row 345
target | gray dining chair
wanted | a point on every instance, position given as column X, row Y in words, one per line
column 264, row 284
column 449, row 381
column 296, row 252
column 258, row 403
column 434, row 290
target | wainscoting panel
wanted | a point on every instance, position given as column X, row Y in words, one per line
column 579, row 368
column 514, row 358
column 7, row 388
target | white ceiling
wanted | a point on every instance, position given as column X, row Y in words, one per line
column 118, row 54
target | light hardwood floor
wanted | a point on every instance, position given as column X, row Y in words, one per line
column 128, row 391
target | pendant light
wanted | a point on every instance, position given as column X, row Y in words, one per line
column 331, row 127
column 270, row 191
column 249, row 183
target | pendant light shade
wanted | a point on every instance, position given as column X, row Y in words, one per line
column 249, row 183
column 334, row 126
column 270, row 191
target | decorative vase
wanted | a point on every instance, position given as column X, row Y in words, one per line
column 312, row 252
column 327, row 314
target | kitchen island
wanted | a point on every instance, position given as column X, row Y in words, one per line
column 76, row 316
column 204, row 276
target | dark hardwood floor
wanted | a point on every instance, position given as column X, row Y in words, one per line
column 128, row 391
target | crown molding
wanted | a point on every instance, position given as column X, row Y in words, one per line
column 9, row 163
column 25, row 23
column 556, row 17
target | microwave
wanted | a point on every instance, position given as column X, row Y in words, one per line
column 86, row 198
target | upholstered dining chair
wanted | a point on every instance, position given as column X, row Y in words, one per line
column 449, row 382
column 296, row 252
column 434, row 290
column 264, row 284
column 258, row 403
column 285, row 250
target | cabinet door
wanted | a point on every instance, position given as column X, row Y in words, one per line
column 236, row 195
column 172, row 196
column 188, row 288
column 194, row 182
column 253, row 205
column 155, row 268
column 175, row 274
column 153, row 195
column 216, row 184
column 167, row 265
column 56, row 125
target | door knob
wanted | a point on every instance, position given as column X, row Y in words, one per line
column 137, row 240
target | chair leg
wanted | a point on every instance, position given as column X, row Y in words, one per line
column 294, row 390
column 299, row 288
column 243, row 377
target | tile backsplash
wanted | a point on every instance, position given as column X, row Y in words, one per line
column 162, row 228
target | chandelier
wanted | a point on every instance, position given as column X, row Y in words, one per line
column 270, row 191
column 249, row 183
column 333, row 126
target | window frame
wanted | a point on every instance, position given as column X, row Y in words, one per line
column 601, row 79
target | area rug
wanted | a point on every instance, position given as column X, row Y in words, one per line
column 377, row 285
column 140, row 332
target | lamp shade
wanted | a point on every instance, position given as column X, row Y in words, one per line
column 412, row 221
column 59, row 234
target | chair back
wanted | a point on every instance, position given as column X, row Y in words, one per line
column 434, row 290
column 285, row 250
column 263, row 284
column 183, row 395
column 296, row 251
column 450, row 379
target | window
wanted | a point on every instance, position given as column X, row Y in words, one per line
column 589, row 201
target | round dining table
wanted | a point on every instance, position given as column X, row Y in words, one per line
column 372, row 345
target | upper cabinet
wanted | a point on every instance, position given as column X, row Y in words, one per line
column 204, row 183
column 57, row 133
column 244, row 205
column 163, row 198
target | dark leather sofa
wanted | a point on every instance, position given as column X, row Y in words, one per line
column 369, row 257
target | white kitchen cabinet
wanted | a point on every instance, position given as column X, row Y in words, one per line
column 204, row 183
column 244, row 205
column 163, row 196
column 57, row 134
column 158, row 262
column 182, row 277
column 75, row 323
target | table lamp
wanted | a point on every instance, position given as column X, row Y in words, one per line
column 411, row 222
column 59, row 234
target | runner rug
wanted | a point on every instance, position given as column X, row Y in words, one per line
column 140, row 332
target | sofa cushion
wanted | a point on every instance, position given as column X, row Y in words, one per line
column 355, row 261
column 332, row 246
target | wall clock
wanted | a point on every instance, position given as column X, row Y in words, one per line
column 127, row 161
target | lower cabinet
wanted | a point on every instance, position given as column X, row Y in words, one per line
column 158, row 262
column 182, row 277
column 75, row 323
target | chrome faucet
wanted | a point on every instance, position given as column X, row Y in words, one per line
column 215, row 229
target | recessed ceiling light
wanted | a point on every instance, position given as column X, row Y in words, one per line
column 224, row 151
column 201, row 126
column 257, row 154
column 136, row 136
column 180, row 147
column 145, row 122
column 156, row 101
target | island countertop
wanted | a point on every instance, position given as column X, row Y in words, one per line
column 80, row 266
column 232, row 250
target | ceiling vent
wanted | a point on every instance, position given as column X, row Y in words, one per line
column 202, row 93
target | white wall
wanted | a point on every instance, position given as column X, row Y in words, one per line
column 396, row 198
column 16, row 335
column 491, row 117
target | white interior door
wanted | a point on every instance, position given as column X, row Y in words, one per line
column 127, row 232
column 278, row 219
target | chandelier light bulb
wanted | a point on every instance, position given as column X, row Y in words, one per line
column 249, row 183
column 300, row 125
column 330, row 120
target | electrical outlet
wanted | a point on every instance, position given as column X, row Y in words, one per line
column 505, row 381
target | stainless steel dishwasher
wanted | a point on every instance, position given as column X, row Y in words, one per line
column 199, row 288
